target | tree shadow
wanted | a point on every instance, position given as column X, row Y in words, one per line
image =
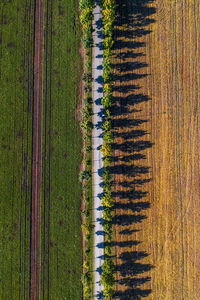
column 131, row 145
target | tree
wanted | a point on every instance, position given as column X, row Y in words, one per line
column 107, row 199
column 107, row 125
column 107, row 215
column 108, row 137
column 106, row 149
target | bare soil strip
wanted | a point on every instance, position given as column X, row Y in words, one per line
column 36, row 153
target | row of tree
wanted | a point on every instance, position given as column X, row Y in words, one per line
column 86, row 18
column 107, row 277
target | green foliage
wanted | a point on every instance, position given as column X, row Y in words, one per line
column 107, row 199
column 85, row 175
column 84, row 4
column 107, row 125
column 107, row 101
column 107, row 161
column 87, row 41
column 86, row 124
column 87, row 77
column 107, row 215
column 106, row 149
column 86, row 15
column 107, row 178
column 107, row 277
column 86, row 7
column 108, row 42
column 107, row 76
column 108, row 137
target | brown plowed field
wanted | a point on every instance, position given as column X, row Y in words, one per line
column 36, row 152
column 157, row 149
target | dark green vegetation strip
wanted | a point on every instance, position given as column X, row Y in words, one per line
column 85, row 176
column 16, row 94
column 61, row 242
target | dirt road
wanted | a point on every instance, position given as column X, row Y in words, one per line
column 36, row 152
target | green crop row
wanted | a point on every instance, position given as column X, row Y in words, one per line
column 107, row 277
column 86, row 17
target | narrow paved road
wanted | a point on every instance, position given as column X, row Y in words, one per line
column 97, row 142
column 36, row 152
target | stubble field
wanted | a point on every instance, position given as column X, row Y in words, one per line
column 156, row 168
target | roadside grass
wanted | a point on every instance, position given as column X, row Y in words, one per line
column 61, row 239
column 16, row 94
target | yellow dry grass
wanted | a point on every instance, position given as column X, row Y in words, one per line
column 170, row 234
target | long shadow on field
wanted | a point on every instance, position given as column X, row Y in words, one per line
column 131, row 145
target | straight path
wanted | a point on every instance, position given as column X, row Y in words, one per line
column 97, row 142
column 36, row 152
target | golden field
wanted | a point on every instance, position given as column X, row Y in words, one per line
column 157, row 149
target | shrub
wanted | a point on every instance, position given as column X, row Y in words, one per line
column 86, row 124
column 87, row 41
column 87, row 77
column 86, row 265
column 87, row 149
column 86, row 15
column 87, row 101
column 87, row 88
column 85, row 213
column 83, row 4
column 85, row 278
column 88, row 65
column 85, row 175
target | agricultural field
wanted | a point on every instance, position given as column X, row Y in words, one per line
column 61, row 241
column 16, row 94
column 60, row 257
column 156, row 168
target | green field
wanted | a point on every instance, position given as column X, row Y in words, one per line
column 16, row 94
column 61, row 242
column 61, row 245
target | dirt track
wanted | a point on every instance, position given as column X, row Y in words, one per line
column 157, row 150
column 36, row 153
